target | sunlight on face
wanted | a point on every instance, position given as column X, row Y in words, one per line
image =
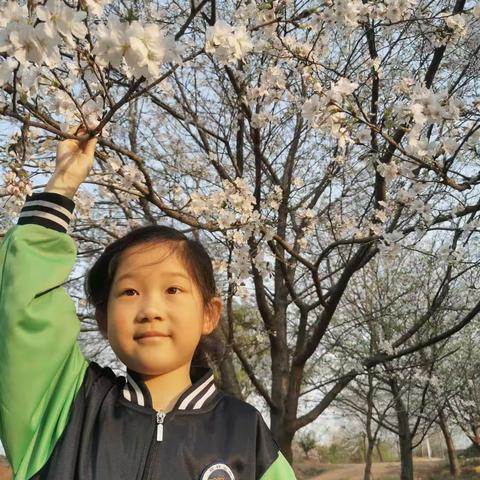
column 153, row 290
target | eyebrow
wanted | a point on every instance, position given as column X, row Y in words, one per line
column 166, row 274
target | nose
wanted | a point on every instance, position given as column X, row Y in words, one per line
column 151, row 309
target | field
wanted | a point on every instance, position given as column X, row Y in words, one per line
column 425, row 469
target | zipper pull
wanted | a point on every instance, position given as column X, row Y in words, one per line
column 160, row 418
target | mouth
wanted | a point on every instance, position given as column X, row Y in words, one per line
column 151, row 339
column 150, row 335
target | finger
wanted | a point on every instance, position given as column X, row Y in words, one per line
column 81, row 130
column 72, row 130
column 91, row 144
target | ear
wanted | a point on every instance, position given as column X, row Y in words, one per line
column 212, row 315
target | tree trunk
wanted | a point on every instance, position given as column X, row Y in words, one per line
column 379, row 451
column 282, row 437
column 367, row 473
column 452, row 454
column 405, row 438
column 404, row 434
column 475, row 438
column 429, row 449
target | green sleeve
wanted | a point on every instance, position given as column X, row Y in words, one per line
column 41, row 365
column 280, row 469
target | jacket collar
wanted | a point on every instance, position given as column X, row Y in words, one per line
column 199, row 395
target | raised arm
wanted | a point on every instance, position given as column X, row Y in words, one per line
column 41, row 365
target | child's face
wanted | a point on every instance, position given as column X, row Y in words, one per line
column 159, row 295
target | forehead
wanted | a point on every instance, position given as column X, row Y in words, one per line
column 147, row 258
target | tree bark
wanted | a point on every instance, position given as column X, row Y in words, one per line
column 404, row 434
column 367, row 474
column 282, row 437
column 379, row 451
column 452, row 454
column 405, row 437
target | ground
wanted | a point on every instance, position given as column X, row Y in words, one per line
column 5, row 472
column 380, row 471
column 424, row 469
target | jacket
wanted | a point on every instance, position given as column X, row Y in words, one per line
column 64, row 417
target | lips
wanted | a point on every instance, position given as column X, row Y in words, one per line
column 150, row 334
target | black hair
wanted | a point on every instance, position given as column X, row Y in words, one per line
column 99, row 278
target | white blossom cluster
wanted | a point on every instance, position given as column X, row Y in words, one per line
column 272, row 86
column 321, row 110
column 347, row 225
column 39, row 44
column 91, row 109
column 348, row 15
column 16, row 186
column 309, row 219
column 84, row 203
column 456, row 28
column 263, row 118
column 274, row 197
column 301, row 48
column 427, row 107
column 137, row 49
column 392, row 169
column 342, row 14
column 450, row 256
column 234, row 203
column 229, row 44
column 389, row 247
column 385, row 346
column 32, row 44
column 388, row 170
column 232, row 208
column 396, row 10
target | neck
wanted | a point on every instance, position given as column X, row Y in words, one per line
column 165, row 389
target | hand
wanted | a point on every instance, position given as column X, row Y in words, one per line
column 75, row 158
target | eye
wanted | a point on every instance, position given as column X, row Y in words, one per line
column 128, row 290
column 173, row 288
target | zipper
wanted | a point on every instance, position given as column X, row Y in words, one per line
column 160, row 417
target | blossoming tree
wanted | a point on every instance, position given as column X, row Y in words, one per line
column 409, row 300
column 299, row 139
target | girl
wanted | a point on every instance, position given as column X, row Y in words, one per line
column 63, row 417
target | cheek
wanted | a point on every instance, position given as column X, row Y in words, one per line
column 118, row 320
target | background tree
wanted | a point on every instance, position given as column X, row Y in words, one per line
column 409, row 394
column 307, row 442
column 462, row 375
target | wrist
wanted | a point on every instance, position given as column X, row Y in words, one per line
column 57, row 185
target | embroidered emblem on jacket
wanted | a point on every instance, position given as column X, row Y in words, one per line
column 218, row 471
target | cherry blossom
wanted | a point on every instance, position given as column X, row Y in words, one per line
column 96, row 6
column 60, row 19
column 226, row 42
column 13, row 13
column 143, row 47
column 7, row 66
